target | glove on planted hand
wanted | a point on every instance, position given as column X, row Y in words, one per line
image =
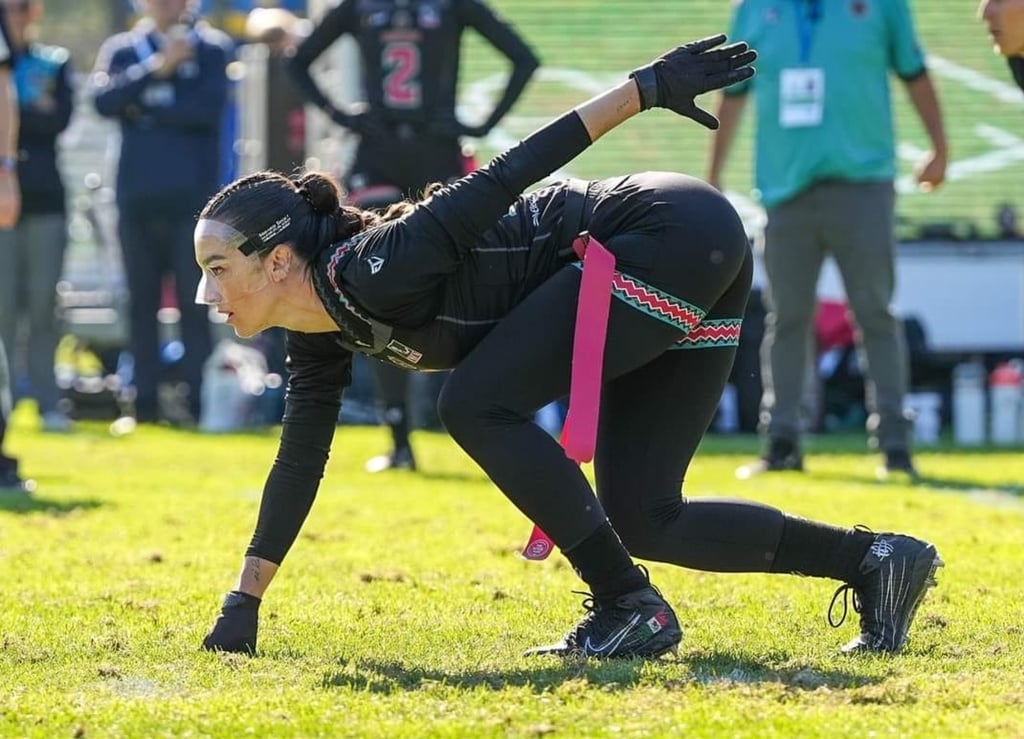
column 676, row 77
column 235, row 628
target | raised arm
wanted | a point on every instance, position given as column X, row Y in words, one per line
column 466, row 209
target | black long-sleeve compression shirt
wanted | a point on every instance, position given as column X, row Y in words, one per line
column 429, row 270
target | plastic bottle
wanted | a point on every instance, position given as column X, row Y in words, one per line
column 926, row 408
column 1004, row 392
column 969, row 404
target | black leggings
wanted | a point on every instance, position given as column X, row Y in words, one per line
column 658, row 399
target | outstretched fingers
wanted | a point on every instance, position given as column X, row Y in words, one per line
column 702, row 45
column 726, row 52
column 724, row 79
column 718, row 66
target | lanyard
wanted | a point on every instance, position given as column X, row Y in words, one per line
column 808, row 13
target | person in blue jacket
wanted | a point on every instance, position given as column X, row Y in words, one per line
column 165, row 83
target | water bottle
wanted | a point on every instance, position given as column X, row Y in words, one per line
column 925, row 409
column 969, row 404
column 1004, row 392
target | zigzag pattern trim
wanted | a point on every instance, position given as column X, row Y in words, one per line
column 341, row 251
column 656, row 303
column 712, row 334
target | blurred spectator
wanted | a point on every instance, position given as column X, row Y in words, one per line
column 1005, row 21
column 410, row 136
column 825, row 164
column 165, row 82
column 35, row 247
column 9, row 206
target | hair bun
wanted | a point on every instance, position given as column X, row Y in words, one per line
column 320, row 191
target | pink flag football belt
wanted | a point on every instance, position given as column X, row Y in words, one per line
column 579, row 433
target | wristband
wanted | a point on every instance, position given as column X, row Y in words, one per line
column 8, row 164
column 647, row 84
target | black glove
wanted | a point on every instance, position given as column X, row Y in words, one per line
column 675, row 78
column 235, row 629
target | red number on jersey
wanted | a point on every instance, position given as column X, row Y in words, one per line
column 402, row 89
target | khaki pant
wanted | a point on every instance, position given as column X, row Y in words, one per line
column 853, row 222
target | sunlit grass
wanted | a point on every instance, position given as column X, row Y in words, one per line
column 403, row 608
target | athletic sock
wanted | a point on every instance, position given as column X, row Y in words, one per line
column 819, row 550
column 398, row 421
column 605, row 566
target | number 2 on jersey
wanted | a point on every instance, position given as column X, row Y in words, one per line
column 401, row 62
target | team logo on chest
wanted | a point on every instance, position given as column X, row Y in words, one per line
column 375, row 264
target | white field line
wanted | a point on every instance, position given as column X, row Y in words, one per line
column 1004, row 92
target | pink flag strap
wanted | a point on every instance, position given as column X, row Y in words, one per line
column 579, row 434
column 539, row 546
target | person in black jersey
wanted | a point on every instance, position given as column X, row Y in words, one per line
column 409, row 133
column 1005, row 21
column 483, row 279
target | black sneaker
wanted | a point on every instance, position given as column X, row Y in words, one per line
column 400, row 459
column 640, row 624
column 897, row 461
column 895, row 576
column 782, row 455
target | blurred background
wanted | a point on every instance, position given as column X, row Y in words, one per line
column 960, row 258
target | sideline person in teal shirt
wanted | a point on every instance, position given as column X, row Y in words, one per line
column 824, row 168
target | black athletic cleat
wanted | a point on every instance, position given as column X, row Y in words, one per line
column 782, row 455
column 895, row 576
column 640, row 624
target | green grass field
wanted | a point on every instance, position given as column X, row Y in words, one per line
column 404, row 606
column 591, row 42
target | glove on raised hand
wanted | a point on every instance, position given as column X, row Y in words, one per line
column 676, row 77
column 236, row 626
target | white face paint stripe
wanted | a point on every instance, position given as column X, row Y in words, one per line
column 207, row 228
column 200, row 298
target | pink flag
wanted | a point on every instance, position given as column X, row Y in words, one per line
column 579, row 434
column 539, row 546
